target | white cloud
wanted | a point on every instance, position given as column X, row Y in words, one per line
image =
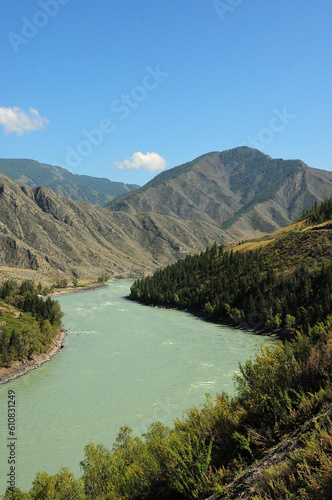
column 16, row 121
column 149, row 161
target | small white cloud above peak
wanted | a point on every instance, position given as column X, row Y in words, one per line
column 152, row 162
column 16, row 121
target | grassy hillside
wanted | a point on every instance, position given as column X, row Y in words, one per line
column 272, row 440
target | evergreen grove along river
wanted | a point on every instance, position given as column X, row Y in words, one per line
column 124, row 364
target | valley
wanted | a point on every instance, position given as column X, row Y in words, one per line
column 277, row 281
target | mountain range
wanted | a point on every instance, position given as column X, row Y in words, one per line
column 218, row 197
column 42, row 230
column 240, row 190
column 96, row 190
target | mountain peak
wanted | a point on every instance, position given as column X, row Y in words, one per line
column 242, row 190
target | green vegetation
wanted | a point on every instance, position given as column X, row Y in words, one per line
column 103, row 278
column 61, row 283
column 307, row 472
column 319, row 213
column 283, row 284
column 28, row 323
column 287, row 283
column 276, row 392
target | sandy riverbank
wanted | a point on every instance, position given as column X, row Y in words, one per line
column 68, row 291
column 20, row 368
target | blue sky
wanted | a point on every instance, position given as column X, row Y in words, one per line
column 123, row 89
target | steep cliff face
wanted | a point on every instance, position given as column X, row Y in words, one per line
column 242, row 191
column 42, row 230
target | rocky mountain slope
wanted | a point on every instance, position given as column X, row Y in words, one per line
column 76, row 187
column 219, row 197
column 42, row 230
column 241, row 190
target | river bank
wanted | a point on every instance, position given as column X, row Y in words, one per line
column 69, row 291
column 20, row 368
column 277, row 334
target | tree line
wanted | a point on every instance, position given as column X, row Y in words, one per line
column 245, row 288
column 320, row 212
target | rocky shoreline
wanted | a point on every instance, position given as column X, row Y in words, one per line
column 20, row 368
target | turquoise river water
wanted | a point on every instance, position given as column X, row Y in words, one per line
column 124, row 364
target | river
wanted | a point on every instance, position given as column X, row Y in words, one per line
column 124, row 364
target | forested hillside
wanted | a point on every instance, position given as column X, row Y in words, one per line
column 319, row 213
column 285, row 283
column 28, row 323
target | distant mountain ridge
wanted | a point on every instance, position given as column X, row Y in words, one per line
column 219, row 197
column 96, row 190
column 240, row 190
column 44, row 231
